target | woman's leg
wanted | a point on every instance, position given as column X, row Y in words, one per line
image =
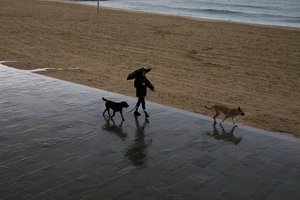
column 143, row 103
column 144, row 107
column 140, row 100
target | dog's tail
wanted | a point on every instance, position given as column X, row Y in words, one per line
column 209, row 107
column 104, row 99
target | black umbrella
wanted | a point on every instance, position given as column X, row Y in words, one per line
column 138, row 72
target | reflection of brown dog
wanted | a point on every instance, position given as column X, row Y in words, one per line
column 225, row 135
column 228, row 112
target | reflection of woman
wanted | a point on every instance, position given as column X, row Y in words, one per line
column 141, row 83
column 137, row 151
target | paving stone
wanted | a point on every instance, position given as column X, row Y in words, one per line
column 55, row 144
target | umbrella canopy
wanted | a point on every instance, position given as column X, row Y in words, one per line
column 138, row 72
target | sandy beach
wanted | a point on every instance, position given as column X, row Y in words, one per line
column 194, row 62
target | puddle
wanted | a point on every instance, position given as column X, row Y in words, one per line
column 50, row 143
column 44, row 69
column 6, row 61
column 51, row 68
column 41, row 69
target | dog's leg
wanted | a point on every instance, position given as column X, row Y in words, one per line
column 233, row 122
column 113, row 114
column 223, row 129
column 226, row 116
column 122, row 115
column 113, row 121
column 104, row 111
column 108, row 112
column 231, row 132
column 216, row 115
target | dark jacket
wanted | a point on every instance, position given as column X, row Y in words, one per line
column 141, row 83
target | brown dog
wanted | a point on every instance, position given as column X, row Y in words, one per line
column 115, row 106
column 228, row 112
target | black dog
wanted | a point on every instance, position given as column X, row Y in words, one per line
column 115, row 106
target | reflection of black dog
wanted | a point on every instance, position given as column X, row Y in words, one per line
column 225, row 135
column 113, row 128
column 115, row 106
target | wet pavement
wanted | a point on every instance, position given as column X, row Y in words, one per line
column 55, row 144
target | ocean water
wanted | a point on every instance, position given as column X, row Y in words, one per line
column 267, row 12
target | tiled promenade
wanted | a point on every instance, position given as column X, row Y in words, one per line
column 56, row 145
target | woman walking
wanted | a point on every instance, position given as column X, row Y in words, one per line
column 141, row 83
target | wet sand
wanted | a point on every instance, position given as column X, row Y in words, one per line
column 195, row 62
